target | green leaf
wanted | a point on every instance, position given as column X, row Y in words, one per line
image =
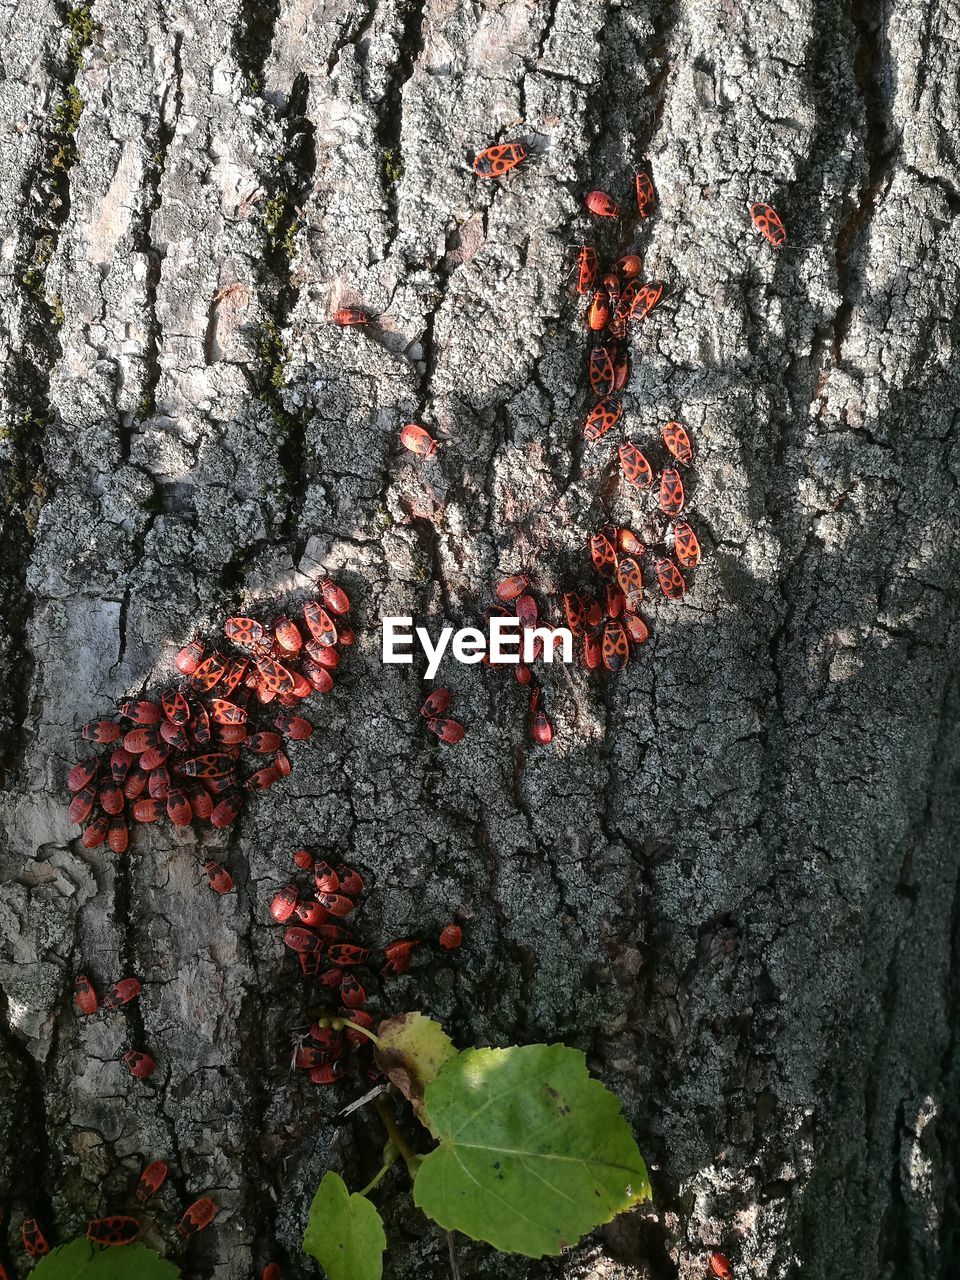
column 412, row 1050
column 345, row 1233
column 81, row 1260
column 533, row 1153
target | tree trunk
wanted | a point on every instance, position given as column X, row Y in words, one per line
column 732, row 879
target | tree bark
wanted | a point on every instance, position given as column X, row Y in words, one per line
column 732, row 879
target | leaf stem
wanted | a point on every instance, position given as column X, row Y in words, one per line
column 410, row 1157
column 381, row 1174
column 355, row 1026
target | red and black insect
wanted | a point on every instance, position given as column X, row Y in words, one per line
column 284, row 903
column 175, row 706
column 601, row 371
column 677, row 440
column 603, row 417
column 338, row 904
column 303, row 940
column 197, row 1216
column 629, row 266
column 591, row 652
column 348, row 953
column 85, row 996
column 179, row 809
column 495, row 161
column 541, row 730
column 100, row 731
column 671, row 492
column 115, row 1230
column 118, row 835
column 646, row 195
column 246, row 633
column 587, row 268
column 151, row 1180
column 227, row 811
column 141, row 713
column 34, row 1241
column 334, row 597
column 720, row 1266
column 275, row 676
column 685, row 545
column 451, row 937
column 351, row 881
column 418, row 440
column 271, row 1272
column 448, row 731
column 294, row 727
column 604, row 206
column 621, row 368
column 598, row 313
column 122, row 993
column 637, row 630
column 398, row 955
column 630, row 580
column 436, row 703
column 209, row 672
column 352, row 993
column 603, row 555
column 81, row 775
column 615, row 648
column 635, row 467
column 139, row 1064
column 670, row 579
column 768, row 223
column 218, row 877
column 189, row 658
column 350, row 317
column 574, row 612
column 95, row 834
column 320, row 625
column 509, row 588
column 327, row 880
column 616, row 601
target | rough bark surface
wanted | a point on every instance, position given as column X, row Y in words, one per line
column 733, row 877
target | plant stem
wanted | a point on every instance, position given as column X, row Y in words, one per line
column 379, row 1176
column 410, row 1157
column 355, row 1026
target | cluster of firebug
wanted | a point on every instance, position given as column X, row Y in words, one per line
column 120, row 1229
column 433, row 712
column 138, row 1063
column 178, row 754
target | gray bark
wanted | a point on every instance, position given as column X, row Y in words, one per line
column 733, row 877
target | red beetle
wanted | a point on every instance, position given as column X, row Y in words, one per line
column 599, row 203
column 336, row 903
column 621, row 369
column 189, row 658
column 302, row 940
column 284, row 903
column 148, row 810
column 603, row 556
column 451, row 936
column 598, row 313
column 334, row 597
column 574, row 612
column 197, row 1216
column 509, row 588
column 636, row 469
column 418, row 440
column 348, row 636
column 591, row 652
column 768, row 223
column 630, row 580
column 352, row 993
column 281, row 762
column 398, row 955
column 629, row 543
column 319, row 623
column 264, row 744
column 685, row 545
column 449, row 731
column 720, row 1266
column 288, row 636
column 141, row 713
column 139, row 1064
column 614, row 648
column 209, row 672
column 175, row 706
column 350, row 317
column 95, row 834
column 586, row 269
column 636, row 628
column 616, row 601
column 629, row 266
column 351, row 881
column 152, row 759
column 646, row 195
column 246, row 633
column 118, row 835
column 326, row 1073
column 226, row 812
column 671, row 580
column 541, row 729
column 234, row 675
column 311, row 913
column 671, row 492
column 495, row 161
column 363, row 1019
column 677, row 440
column 600, row 371
column 326, row 878
column 34, row 1241
column 201, row 727
column 122, row 993
column 81, row 806
column 121, row 762
column 136, row 782
column 436, row 703
column 602, row 418
column 139, row 740
column 271, row 1272
column 151, row 1180
column 178, row 807
column 323, row 655
column 331, row 977
column 316, row 677
column 262, row 779
column 218, row 877
column 100, row 731
column 303, row 859
column 117, row 1229
column 212, row 765
column 81, row 775
column 84, row 995
column 348, row 953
